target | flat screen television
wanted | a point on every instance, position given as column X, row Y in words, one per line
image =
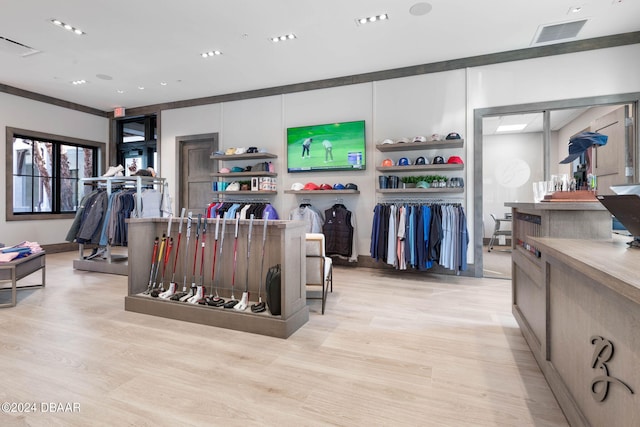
column 328, row 147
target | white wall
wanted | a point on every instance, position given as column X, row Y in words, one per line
column 24, row 113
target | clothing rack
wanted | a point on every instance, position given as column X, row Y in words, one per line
column 246, row 200
column 102, row 259
column 414, row 201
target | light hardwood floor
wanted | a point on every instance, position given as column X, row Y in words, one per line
column 391, row 350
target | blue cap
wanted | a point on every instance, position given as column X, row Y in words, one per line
column 338, row 187
column 581, row 143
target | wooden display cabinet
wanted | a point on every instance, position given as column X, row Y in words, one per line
column 285, row 245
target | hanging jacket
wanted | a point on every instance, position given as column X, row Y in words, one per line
column 338, row 231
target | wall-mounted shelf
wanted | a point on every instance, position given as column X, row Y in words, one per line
column 242, row 174
column 244, row 192
column 413, row 168
column 320, row 192
column 411, row 146
column 245, row 156
column 246, row 175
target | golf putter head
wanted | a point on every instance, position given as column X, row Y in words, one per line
column 177, row 296
column 244, row 301
column 170, row 292
column 215, row 302
column 187, row 296
column 259, row 307
column 230, row 304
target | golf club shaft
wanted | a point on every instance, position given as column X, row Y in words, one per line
column 175, row 258
column 167, row 255
column 264, row 240
column 235, row 255
column 204, row 239
column 153, row 260
column 246, row 283
column 159, row 260
column 186, row 253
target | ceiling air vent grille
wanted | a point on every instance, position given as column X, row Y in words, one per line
column 15, row 48
column 558, row 32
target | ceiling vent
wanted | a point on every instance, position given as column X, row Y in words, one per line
column 548, row 34
column 15, row 48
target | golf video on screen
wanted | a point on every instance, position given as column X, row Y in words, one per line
column 329, row 147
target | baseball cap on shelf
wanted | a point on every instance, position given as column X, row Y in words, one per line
column 338, row 187
column 297, row 186
column 404, row 162
column 420, row 139
column 230, row 151
column 581, row 142
column 311, row 186
column 252, row 150
column 453, row 135
column 325, row 187
column 438, row 160
column 455, row 160
column 387, row 162
column 422, row 184
column 403, row 140
column 435, row 137
column 219, row 153
column 351, row 186
column 234, row 186
column 421, row 161
column 388, row 141
column 237, row 169
column 241, row 150
column 224, row 170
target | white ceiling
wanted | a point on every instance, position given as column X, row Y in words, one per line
column 146, row 42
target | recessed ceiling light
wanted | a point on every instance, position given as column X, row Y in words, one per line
column 68, row 27
column 78, row 82
column 141, row 87
column 120, row 91
column 575, row 9
column 284, row 37
column 511, row 128
column 210, row 53
column 362, row 21
column 163, row 83
column 420, row 9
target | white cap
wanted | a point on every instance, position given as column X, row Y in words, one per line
column 234, row 186
column 420, row 139
column 241, row 150
column 297, row 186
column 388, row 141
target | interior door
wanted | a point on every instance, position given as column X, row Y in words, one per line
column 609, row 161
column 195, row 165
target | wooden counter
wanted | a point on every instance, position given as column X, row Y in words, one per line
column 585, row 334
column 576, row 220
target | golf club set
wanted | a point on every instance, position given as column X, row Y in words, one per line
column 196, row 292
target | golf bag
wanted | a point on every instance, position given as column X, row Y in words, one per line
column 272, row 285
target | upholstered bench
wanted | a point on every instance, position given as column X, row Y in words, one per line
column 19, row 269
